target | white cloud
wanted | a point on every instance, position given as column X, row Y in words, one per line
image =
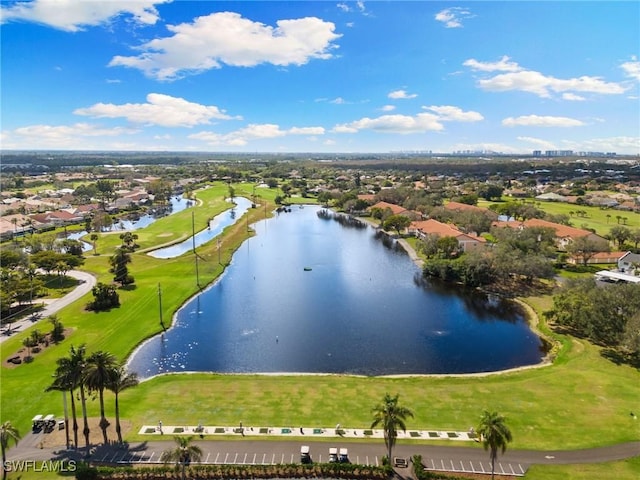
column 632, row 69
column 573, row 97
column 253, row 132
column 388, row 108
column 160, row 109
column 541, row 85
column 448, row 113
column 403, row 124
column 621, row 145
column 73, row 15
column 76, row 136
column 401, row 95
column 344, row 7
column 452, row 17
column 541, row 121
column 226, row 38
column 338, row 101
column 503, row 65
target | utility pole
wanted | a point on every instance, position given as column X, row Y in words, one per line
column 160, row 303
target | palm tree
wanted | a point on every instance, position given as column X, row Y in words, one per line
column 120, row 380
column 97, row 376
column 183, row 454
column 494, row 434
column 71, row 373
column 94, row 240
column 392, row 417
column 7, row 432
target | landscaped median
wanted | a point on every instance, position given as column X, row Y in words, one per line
column 300, row 433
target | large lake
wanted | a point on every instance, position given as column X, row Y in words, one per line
column 360, row 309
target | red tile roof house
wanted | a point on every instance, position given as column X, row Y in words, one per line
column 395, row 209
column 599, row 258
column 463, row 207
column 57, row 217
column 432, row 227
column 564, row 234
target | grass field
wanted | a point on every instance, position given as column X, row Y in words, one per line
column 582, row 400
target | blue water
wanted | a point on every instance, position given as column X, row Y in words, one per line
column 215, row 228
column 361, row 309
column 176, row 204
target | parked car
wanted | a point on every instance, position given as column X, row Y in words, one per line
column 343, row 456
column 333, row 455
column 305, row 455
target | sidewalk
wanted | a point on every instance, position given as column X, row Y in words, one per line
column 87, row 282
column 284, row 433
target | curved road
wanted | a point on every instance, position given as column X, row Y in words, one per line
column 87, row 282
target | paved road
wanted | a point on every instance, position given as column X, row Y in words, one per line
column 87, row 282
column 252, row 452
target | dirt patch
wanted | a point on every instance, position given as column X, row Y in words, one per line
column 57, row 438
column 21, row 356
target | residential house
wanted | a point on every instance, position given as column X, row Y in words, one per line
column 463, row 207
column 564, row 233
column 629, row 263
column 423, row 228
column 395, row 209
column 598, row 258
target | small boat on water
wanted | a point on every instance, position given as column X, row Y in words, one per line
column 307, row 269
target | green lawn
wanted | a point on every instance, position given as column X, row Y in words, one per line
column 583, row 400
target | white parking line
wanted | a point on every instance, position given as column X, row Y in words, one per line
column 225, row 458
column 235, row 459
column 254, row 458
column 151, row 456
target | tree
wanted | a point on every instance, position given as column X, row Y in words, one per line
column 129, row 241
column 67, row 379
column 620, row 235
column 94, row 241
column 105, row 192
column 584, row 248
column 183, row 454
column 391, row 417
column 490, row 191
column 57, row 332
column 105, row 297
column 7, row 433
column 494, row 434
column 120, row 380
column 397, row 222
column 119, row 262
column 97, row 376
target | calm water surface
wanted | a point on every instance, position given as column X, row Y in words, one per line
column 361, row 309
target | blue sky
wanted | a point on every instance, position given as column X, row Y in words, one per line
column 327, row 76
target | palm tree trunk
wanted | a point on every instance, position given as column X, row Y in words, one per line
column 118, row 429
column 103, row 420
column 184, row 471
column 66, row 418
column 75, row 420
column 85, row 430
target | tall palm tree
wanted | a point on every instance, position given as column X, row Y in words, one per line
column 97, row 376
column 494, row 434
column 391, row 417
column 183, row 454
column 120, row 380
column 7, row 433
column 62, row 382
column 77, row 361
